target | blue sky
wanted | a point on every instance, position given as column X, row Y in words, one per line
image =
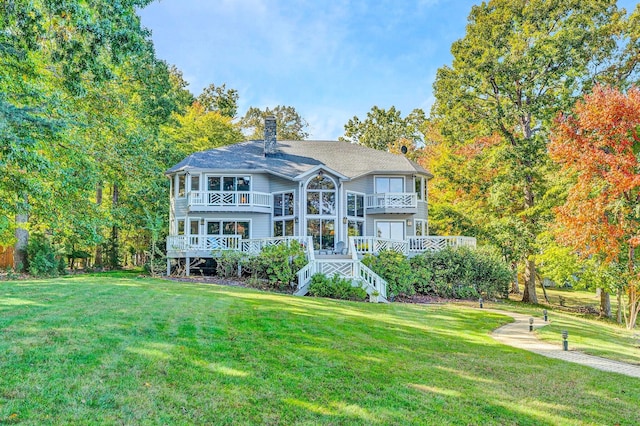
column 330, row 60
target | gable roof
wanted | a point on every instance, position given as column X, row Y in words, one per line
column 294, row 158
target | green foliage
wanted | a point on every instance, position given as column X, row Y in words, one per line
column 289, row 124
column 381, row 128
column 395, row 268
column 335, row 288
column 461, row 273
column 43, row 259
column 220, row 99
column 279, row 263
column 228, row 262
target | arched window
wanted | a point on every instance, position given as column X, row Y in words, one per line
column 321, row 211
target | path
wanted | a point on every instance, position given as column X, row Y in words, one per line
column 517, row 334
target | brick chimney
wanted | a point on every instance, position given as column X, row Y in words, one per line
column 269, row 135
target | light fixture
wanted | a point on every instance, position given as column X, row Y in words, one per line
column 344, row 220
column 409, row 222
column 321, row 173
column 202, row 221
column 295, row 219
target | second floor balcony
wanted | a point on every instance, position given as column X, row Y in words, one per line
column 392, row 202
column 229, row 201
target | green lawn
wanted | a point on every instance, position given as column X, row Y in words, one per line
column 117, row 350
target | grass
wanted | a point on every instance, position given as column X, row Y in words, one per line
column 118, row 349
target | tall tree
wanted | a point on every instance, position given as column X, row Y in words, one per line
column 383, row 127
column 289, row 124
column 519, row 63
column 599, row 144
column 219, row 99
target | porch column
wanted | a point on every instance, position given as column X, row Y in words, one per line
column 187, row 263
column 168, row 266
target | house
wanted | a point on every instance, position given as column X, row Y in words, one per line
column 342, row 198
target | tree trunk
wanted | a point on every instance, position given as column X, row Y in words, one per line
column 634, row 304
column 20, row 261
column 605, row 304
column 515, row 285
column 98, row 257
column 529, row 295
column 619, row 306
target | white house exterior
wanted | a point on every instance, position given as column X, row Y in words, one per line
column 320, row 191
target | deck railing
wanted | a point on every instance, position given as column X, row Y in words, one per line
column 392, row 200
column 374, row 245
column 203, row 242
column 412, row 245
column 229, row 199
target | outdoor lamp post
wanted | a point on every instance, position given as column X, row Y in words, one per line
column 544, row 312
column 565, row 342
column 531, row 324
column 480, row 301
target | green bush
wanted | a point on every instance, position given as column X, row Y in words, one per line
column 228, row 262
column 42, row 258
column 335, row 288
column 279, row 264
column 395, row 268
column 461, row 273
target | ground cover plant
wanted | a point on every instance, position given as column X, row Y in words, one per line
column 108, row 349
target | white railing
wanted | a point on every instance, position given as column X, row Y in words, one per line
column 372, row 279
column 434, row 243
column 229, row 199
column 392, row 200
column 374, row 245
column 203, row 242
column 255, row 245
column 412, row 245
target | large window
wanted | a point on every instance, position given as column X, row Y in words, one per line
column 283, row 204
column 355, row 214
column 322, row 233
column 321, row 196
column 195, row 183
column 391, row 230
column 229, row 227
column 229, row 183
column 389, row 184
column 420, row 227
column 180, row 227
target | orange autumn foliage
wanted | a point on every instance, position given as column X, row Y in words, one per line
column 599, row 145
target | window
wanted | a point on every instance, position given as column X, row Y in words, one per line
column 321, row 196
column 355, row 205
column 389, row 184
column 283, row 204
column 181, row 185
column 421, row 188
column 229, row 227
column 283, row 228
column 322, row 232
column 391, row 230
column 355, row 228
column 180, row 226
column 420, row 228
column 195, row 183
column 229, row 183
column 194, row 226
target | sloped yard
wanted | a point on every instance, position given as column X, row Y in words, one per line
column 117, row 349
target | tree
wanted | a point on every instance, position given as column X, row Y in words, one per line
column 382, row 128
column 599, row 145
column 518, row 64
column 198, row 129
column 289, row 124
column 220, row 99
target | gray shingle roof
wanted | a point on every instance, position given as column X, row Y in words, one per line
column 297, row 157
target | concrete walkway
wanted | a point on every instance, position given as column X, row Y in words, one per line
column 517, row 334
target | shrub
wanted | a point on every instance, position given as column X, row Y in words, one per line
column 228, row 262
column 43, row 260
column 335, row 288
column 279, row 264
column 461, row 273
column 395, row 268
